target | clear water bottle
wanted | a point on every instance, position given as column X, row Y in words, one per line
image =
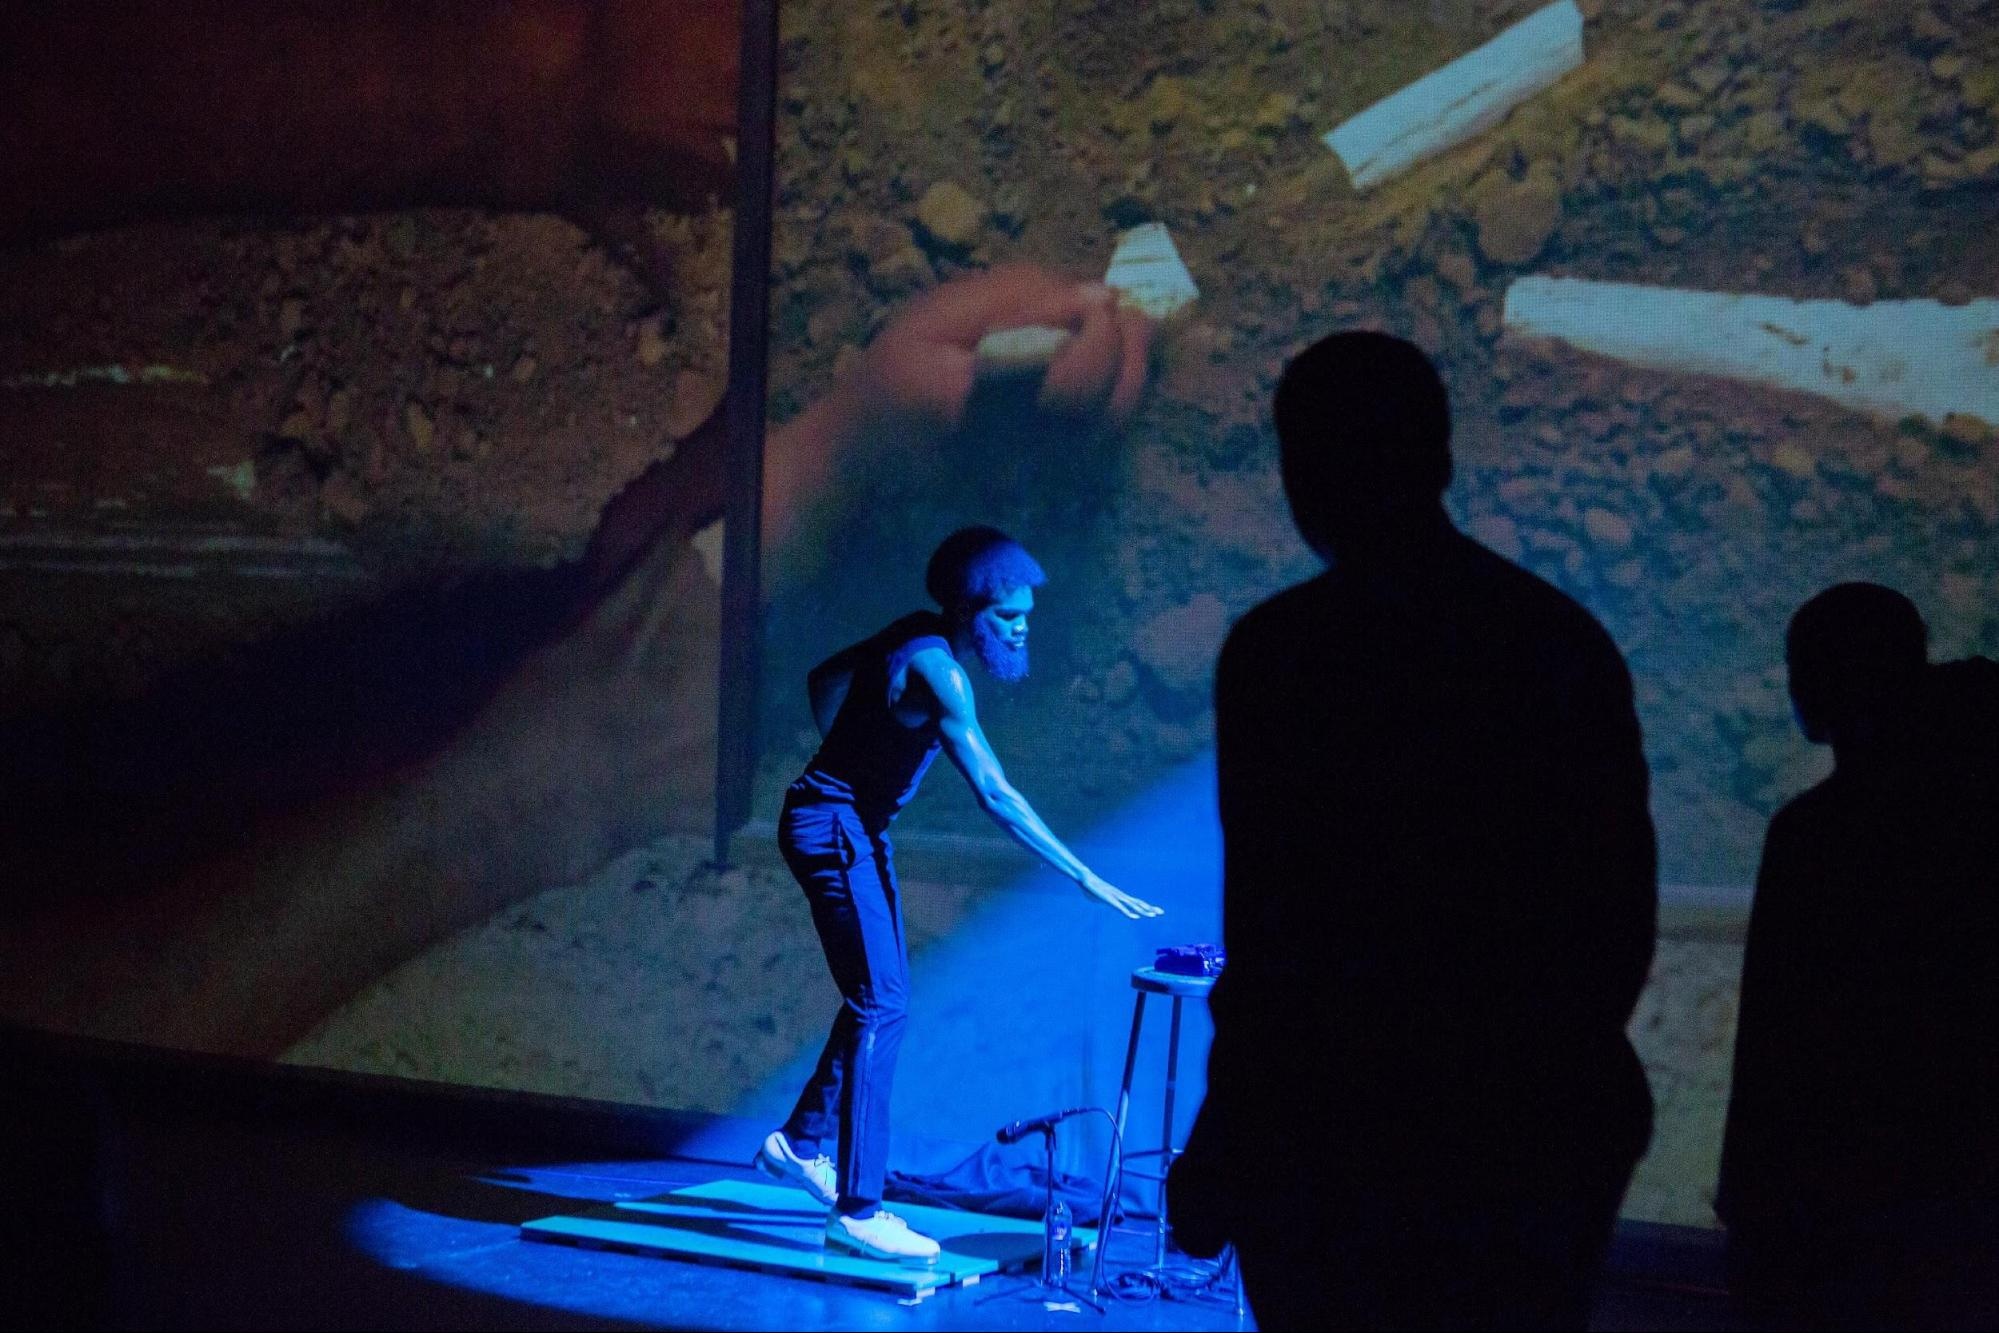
column 1055, row 1242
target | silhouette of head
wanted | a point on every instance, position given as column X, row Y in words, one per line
column 1364, row 440
column 985, row 580
column 1856, row 652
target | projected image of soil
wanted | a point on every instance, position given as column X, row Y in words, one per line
column 1836, row 151
column 313, row 413
column 346, row 405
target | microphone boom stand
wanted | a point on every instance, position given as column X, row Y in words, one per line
column 1049, row 1285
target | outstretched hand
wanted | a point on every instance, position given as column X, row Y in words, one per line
column 923, row 365
column 1137, row 909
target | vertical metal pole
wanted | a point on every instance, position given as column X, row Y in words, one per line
column 1108, row 1209
column 1166, row 1139
column 749, row 371
column 1048, row 1211
column 1130, row 1062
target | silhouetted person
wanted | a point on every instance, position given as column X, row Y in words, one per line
column 1860, row 1168
column 1422, row 1110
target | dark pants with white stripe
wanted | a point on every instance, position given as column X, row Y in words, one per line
column 848, row 874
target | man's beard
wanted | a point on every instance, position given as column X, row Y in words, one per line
column 1002, row 661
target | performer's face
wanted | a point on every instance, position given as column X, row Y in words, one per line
column 999, row 635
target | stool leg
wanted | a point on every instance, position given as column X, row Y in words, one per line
column 1111, row 1190
column 1124, row 1095
column 1130, row 1062
column 1166, row 1154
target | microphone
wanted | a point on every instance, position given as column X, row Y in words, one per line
column 1040, row 1124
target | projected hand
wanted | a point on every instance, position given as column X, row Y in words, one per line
column 922, row 366
column 914, row 379
column 1111, row 896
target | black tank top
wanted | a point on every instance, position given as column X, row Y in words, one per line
column 870, row 759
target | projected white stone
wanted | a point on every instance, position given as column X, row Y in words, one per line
column 1449, row 105
column 1147, row 273
column 1892, row 358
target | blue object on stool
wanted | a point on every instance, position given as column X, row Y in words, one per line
column 1191, row 960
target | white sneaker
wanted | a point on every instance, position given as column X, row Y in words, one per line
column 776, row 1160
column 883, row 1236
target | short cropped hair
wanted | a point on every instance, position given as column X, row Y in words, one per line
column 975, row 567
column 1854, row 650
column 1362, row 420
column 1862, row 629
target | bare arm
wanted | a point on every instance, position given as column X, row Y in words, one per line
column 965, row 741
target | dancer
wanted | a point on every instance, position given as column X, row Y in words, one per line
column 885, row 707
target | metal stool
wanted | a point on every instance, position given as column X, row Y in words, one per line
column 1146, row 982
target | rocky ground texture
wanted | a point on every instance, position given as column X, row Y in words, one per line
column 446, row 390
column 433, row 392
column 1842, row 150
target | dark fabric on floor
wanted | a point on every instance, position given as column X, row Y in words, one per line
column 1007, row 1180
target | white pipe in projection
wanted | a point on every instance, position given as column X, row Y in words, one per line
column 1449, row 105
column 1891, row 358
column 1146, row 272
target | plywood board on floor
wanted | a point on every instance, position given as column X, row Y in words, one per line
column 770, row 1228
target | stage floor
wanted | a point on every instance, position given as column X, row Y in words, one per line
column 247, row 1197
column 225, row 1229
column 771, row 1229
column 307, row 1236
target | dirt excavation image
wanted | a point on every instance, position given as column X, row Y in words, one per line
column 308, row 394
column 1835, row 161
column 1820, row 153
column 1714, row 286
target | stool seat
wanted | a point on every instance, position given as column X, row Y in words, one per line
column 1152, row 980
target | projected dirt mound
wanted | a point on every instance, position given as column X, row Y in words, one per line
column 1835, row 151
column 425, row 391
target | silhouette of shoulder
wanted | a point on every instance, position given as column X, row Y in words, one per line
column 1489, row 604
column 1815, row 803
column 1962, row 710
column 907, row 629
column 1800, row 834
column 1973, row 679
column 1548, row 609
